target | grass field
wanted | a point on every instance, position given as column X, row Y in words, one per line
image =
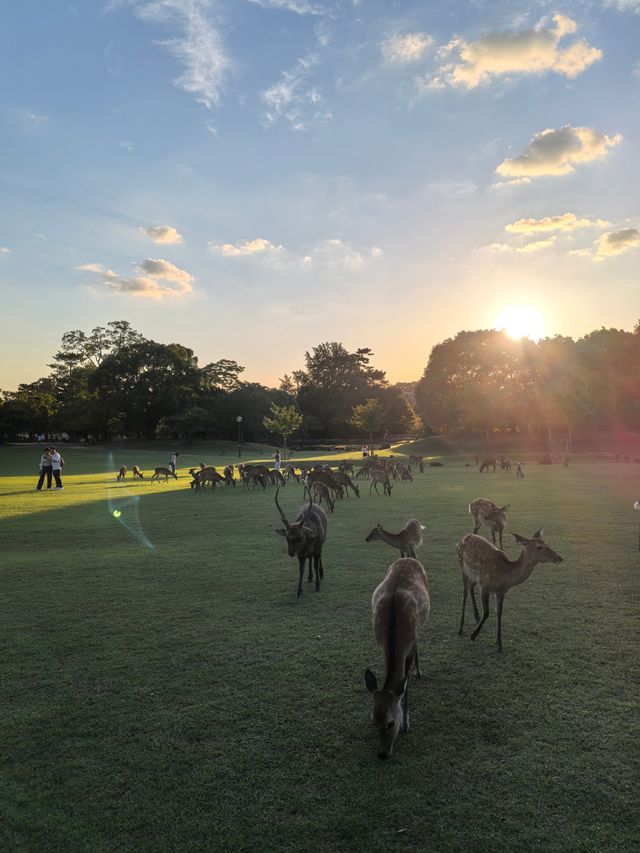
column 162, row 689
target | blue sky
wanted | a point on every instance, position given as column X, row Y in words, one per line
column 250, row 178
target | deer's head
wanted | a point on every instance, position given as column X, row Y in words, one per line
column 298, row 535
column 375, row 533
column 538, row 549
column 387, row 712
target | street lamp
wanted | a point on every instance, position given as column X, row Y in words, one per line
column 239, row 422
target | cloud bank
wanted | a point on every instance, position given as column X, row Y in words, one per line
column 156, row 279
column 555, row 152
column 616, row 242
column 564, row 222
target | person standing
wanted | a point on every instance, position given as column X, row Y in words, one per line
column 57, row 464
column 45, row 469
column 276, row 457
column 174, row 462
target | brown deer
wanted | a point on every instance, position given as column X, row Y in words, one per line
column 322, row 493
column 519, row 471
column 380, row 476
column 122, row 473
column 305, row 538
column 346, row 482
column 400, row 606
column 488, row 463
column 494, row 516
column 163, row 472
column 228, row 476
column 327, row 478
column 137, row 473
column 406, row 541
column 208, row 475
column 484, row 566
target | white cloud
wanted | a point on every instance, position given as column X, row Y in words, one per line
column 157, row 279
column 4, row 250
column 126, row 146
column 300, row 7
column 534, row 51
column 537, row 245
column 293, row 99
column 563, row 222
column 514, row 182
column 195, row 43
column 258, row 247
column 33, row 122
column 405, row 49
column 616, row 242
column 162, row 234
column 554, row 152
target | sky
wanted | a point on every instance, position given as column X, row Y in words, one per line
column 250, row 178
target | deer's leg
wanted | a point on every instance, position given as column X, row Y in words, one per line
column 464, row 604
column 493, row 536
column 500, row 538
column 405, row 709
column 476, row 615
column 485, row 612
column 301, row 562
column 416, row 663
column 316, row 561
column 499, row 603
column 310, row 578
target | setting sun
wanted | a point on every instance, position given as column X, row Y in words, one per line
column 520, row 321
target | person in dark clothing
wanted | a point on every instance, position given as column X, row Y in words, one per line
column 46, row 469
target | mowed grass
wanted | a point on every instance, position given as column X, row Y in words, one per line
column 179, row 697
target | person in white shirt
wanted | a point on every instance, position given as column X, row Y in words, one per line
column 276, row 457
column 57, row 464
column 45, row 469
column 174, row 462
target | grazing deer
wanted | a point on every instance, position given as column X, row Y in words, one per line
column 400, row 606
column 322, row 493
column 305, row 538
column 163, row 472
column 378, row 476
column 406, row 541
column 345, row 481
column 484, row 566
column 345, row 467
column 327, row 478
column 122, row 473
column 405, row 473
column 228, row 476
column 519, row 471
column 488, row 463
column 137, row 473
column 494, row 516
column 208, row 475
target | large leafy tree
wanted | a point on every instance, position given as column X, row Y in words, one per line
column 283, row 421
column 369, row 417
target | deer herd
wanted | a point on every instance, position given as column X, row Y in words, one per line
column 400, row 603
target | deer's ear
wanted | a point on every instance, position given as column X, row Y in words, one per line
column 538, row 534
column 370, row 680
column 505, row 508
column 519, row 538
column 281, row 531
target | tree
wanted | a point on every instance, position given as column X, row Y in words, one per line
column 79, row 349
column 284, row 421
column 368, row 417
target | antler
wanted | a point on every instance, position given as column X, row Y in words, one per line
column 284, row 517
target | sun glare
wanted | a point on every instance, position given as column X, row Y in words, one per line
column 520, row 321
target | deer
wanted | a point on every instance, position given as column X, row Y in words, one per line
column 137, row 473
column 343, row 479
column 228, row 476
column 345, row 467
column 305, row 538
column 322, row 493
column 400, row 606
column 488, row 463
column 519, row 471
column 208, row 475
column 163, row 472
column 122, row 473
column 494, row 516
column 290, row 471
column 327, row 478
column 488, row 568
column 380, row 476
column 406, row 541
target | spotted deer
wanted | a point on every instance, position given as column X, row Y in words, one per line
column 494, row 516
column 406, row 541
column 488, row 568
column 400, row 606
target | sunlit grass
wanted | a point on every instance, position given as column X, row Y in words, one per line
column 180, row 697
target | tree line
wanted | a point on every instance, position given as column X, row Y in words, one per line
column 113, row 382
column 484, row 382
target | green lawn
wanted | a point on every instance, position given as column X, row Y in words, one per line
column 162, row 689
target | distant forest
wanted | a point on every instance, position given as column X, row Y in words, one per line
column 114, row 383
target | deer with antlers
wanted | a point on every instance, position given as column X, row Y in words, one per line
column 400, row 606
column 488, row 568
column 494, row 516
column 305, row 538
column 406, row 541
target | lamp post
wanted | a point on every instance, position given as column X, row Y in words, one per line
column 239, row 422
